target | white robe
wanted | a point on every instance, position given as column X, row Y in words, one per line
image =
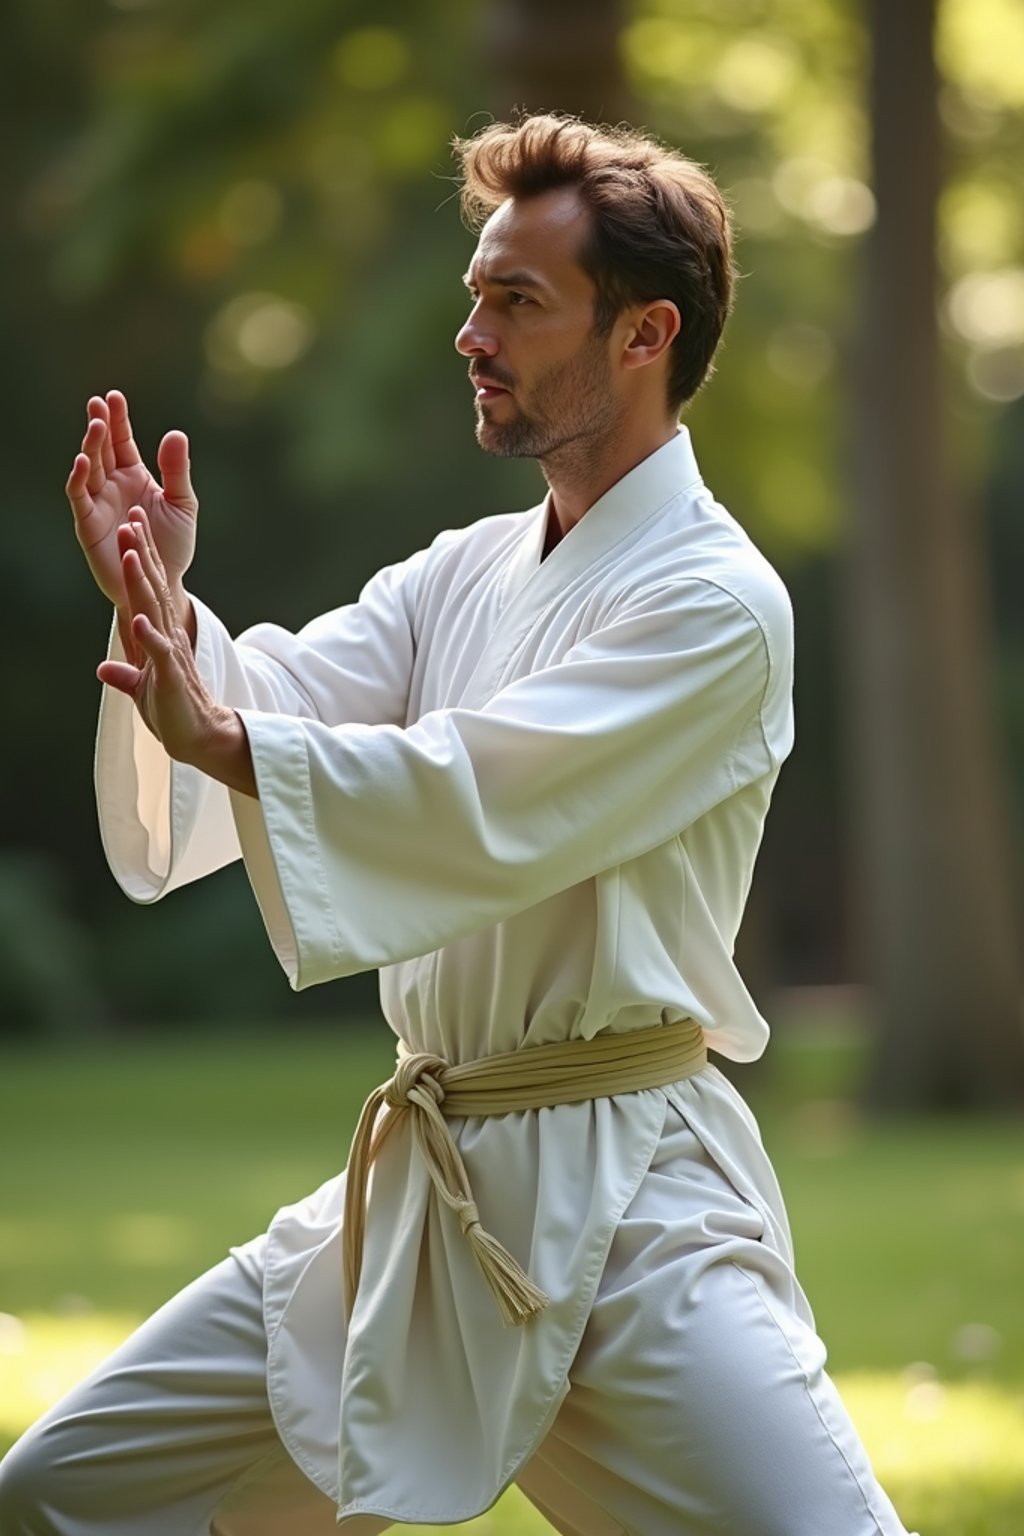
column 531, row 791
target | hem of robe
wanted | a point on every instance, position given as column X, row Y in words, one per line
column 722, row 1122
column 359, row 1509
column 453, row 1512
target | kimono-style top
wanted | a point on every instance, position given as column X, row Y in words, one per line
column 531, row 791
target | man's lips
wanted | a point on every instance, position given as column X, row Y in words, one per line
column 488, row 389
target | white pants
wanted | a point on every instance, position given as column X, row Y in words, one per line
column 728, row 1426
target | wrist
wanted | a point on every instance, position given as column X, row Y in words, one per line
column 184, row 609
column 222, row 752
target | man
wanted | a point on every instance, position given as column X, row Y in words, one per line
column 526, row 775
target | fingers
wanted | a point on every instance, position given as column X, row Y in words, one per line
column 93, row 447
column 129, row 679
column 122, row 439
column 157, row 646
column 97, row 411
column 120, row 675
column 172, row 457
column 140, row 535
column 77, row 488
column 142, row 598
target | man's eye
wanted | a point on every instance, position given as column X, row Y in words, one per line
column 517, row 298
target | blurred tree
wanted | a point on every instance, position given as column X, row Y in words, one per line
column 556, row 57
column 933, row 834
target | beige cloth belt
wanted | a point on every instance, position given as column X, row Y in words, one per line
column 536, row 1078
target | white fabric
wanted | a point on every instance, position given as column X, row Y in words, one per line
column 698, row 1405
column 532, row 791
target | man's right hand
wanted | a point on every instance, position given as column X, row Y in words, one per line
column 109, row 477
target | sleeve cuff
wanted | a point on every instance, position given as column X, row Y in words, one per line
column 282, row 855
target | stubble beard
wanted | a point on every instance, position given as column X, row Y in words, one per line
column 569, row 410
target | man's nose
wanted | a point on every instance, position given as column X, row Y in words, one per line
column 475, row 339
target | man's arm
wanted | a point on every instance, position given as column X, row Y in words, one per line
column 165, row 686
column 164, row 824
column 369, row 846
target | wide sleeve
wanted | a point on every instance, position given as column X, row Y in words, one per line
column 373, row 844
column 163, row 823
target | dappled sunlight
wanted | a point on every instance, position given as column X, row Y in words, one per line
column 946, row 1452
column 147, row 1239
column 872, row 1208
column 935, row 1444
column 513, row 1515
column 44, row 1354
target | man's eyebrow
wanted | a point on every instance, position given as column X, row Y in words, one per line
column 507, row 280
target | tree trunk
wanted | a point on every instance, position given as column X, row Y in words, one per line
column 931, row 819
column 556, row 56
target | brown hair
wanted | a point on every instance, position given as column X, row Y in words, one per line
column 659, row 226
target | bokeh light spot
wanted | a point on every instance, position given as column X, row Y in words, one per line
column 841, row 205
column 797, row 178
column 997, row 375
column 987, row 308
column 657, row 47
column 755, row 205
column 982, row 224
column 755, row 73
column 980, row 44
column 144, row 1238
column 801, row 355
column 258, row 330
column 412, row 134
column 372, row 59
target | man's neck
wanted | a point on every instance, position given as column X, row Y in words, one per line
column 580, row 473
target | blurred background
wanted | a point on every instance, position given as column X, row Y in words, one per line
column 243, row 215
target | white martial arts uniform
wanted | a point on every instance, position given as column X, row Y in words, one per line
column 531, row 790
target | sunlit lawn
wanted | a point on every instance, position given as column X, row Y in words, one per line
column 126, row 1169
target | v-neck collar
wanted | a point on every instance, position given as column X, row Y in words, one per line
column 531, row 582
column 665, row 473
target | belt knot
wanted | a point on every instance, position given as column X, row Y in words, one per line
column 420, row 1069
column 543, row 1076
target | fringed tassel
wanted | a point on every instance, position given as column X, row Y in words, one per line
column 518, row 1298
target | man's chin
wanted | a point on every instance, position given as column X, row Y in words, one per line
column 503, row 442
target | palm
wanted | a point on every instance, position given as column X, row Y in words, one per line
column 109, row 478
column 173, row 526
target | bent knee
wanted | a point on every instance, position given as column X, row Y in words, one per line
column 25, row 1479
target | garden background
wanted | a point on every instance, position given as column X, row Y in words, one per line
column 243, row 215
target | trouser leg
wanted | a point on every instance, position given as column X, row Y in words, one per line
column 698, row 1402
column 167, row 1432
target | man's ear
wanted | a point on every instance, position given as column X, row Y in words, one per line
column 653, row 329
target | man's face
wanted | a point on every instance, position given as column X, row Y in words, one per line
column 543, row 377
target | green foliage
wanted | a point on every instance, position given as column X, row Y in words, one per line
column 242, row 214
column 46, row 985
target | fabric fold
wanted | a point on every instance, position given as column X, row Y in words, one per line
column 541, row 1077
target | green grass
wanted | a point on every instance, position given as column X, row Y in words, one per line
column 129, row 1168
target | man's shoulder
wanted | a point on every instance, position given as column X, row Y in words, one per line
column 486, row 536
column 694, row 543
column 454, row 562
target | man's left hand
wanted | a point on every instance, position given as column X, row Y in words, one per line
column 162, row 677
